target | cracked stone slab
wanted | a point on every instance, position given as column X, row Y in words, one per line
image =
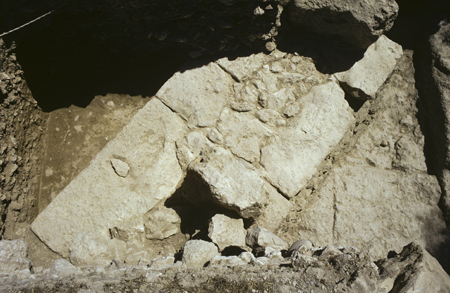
column 97, row 199
column 292, row 158
column 234, row 183
column 198, row 95
column 370, row 207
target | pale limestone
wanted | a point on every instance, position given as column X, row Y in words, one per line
column 198, row 95
column 196, row 253
column 14, row 256
column 225, row 231
column 63, row 268
column 366, row 76
column 261, row 237
column 190, row 147
column 98, row 200
column 243, row 67
column 161, row 223
column 275, row 211
column 120, row 167
column 93, row 249
column 379, row 209
column 233, row 183
column 227, row 261
column 293, row 157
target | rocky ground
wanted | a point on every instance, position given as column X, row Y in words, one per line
column 312, row 161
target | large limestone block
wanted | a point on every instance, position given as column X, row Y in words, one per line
column 225, row 231
column 366, row 76
column 98, row 199
column 198, row 95
column 196, row 253
column 234, row 183
column 14, row 256
column 379, row 209
column 355, row 24
column 293, row 157
column 74, row 136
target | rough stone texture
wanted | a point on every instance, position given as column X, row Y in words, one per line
column 233, row 183
column 225, row 231
column 367, row 75
column 147, row 144
column 197, row 253
column 353, row 24
column 63, row 268
column 378, row 195
column 92, row 249
column 261, row 237
column 21, row 123
column 198, row 95
column 350, row 271
column 303, row 246
column 14, row 256
column 74, row 136
column 412, row 270
column 161, row 223
column 228, row 261
column 379, row 209
column 276, row 209
column 434, row 87
column 293, row 157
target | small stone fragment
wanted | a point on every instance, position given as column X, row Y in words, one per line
column 366, row 76
column 261, row 237
column 196, row 253
column 303, row 246
column 225, row 231
column 14, row 256
column 120, row 167
column 227, row 261
column 63, row 268
column 233, row 184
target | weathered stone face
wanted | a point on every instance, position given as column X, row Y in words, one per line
column 354, row 24
column 99, row 199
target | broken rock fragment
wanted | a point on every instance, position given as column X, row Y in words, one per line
column 234, row 184
column 196, row 253
column 353, row 24
column 14, row 256
column 261, row 237
column 366, row 76
column 225, row 231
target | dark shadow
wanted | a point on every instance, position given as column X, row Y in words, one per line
column 353, row 102
column 194, row 204
column 96, row 47
column 232, row 250
column 2, row 97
